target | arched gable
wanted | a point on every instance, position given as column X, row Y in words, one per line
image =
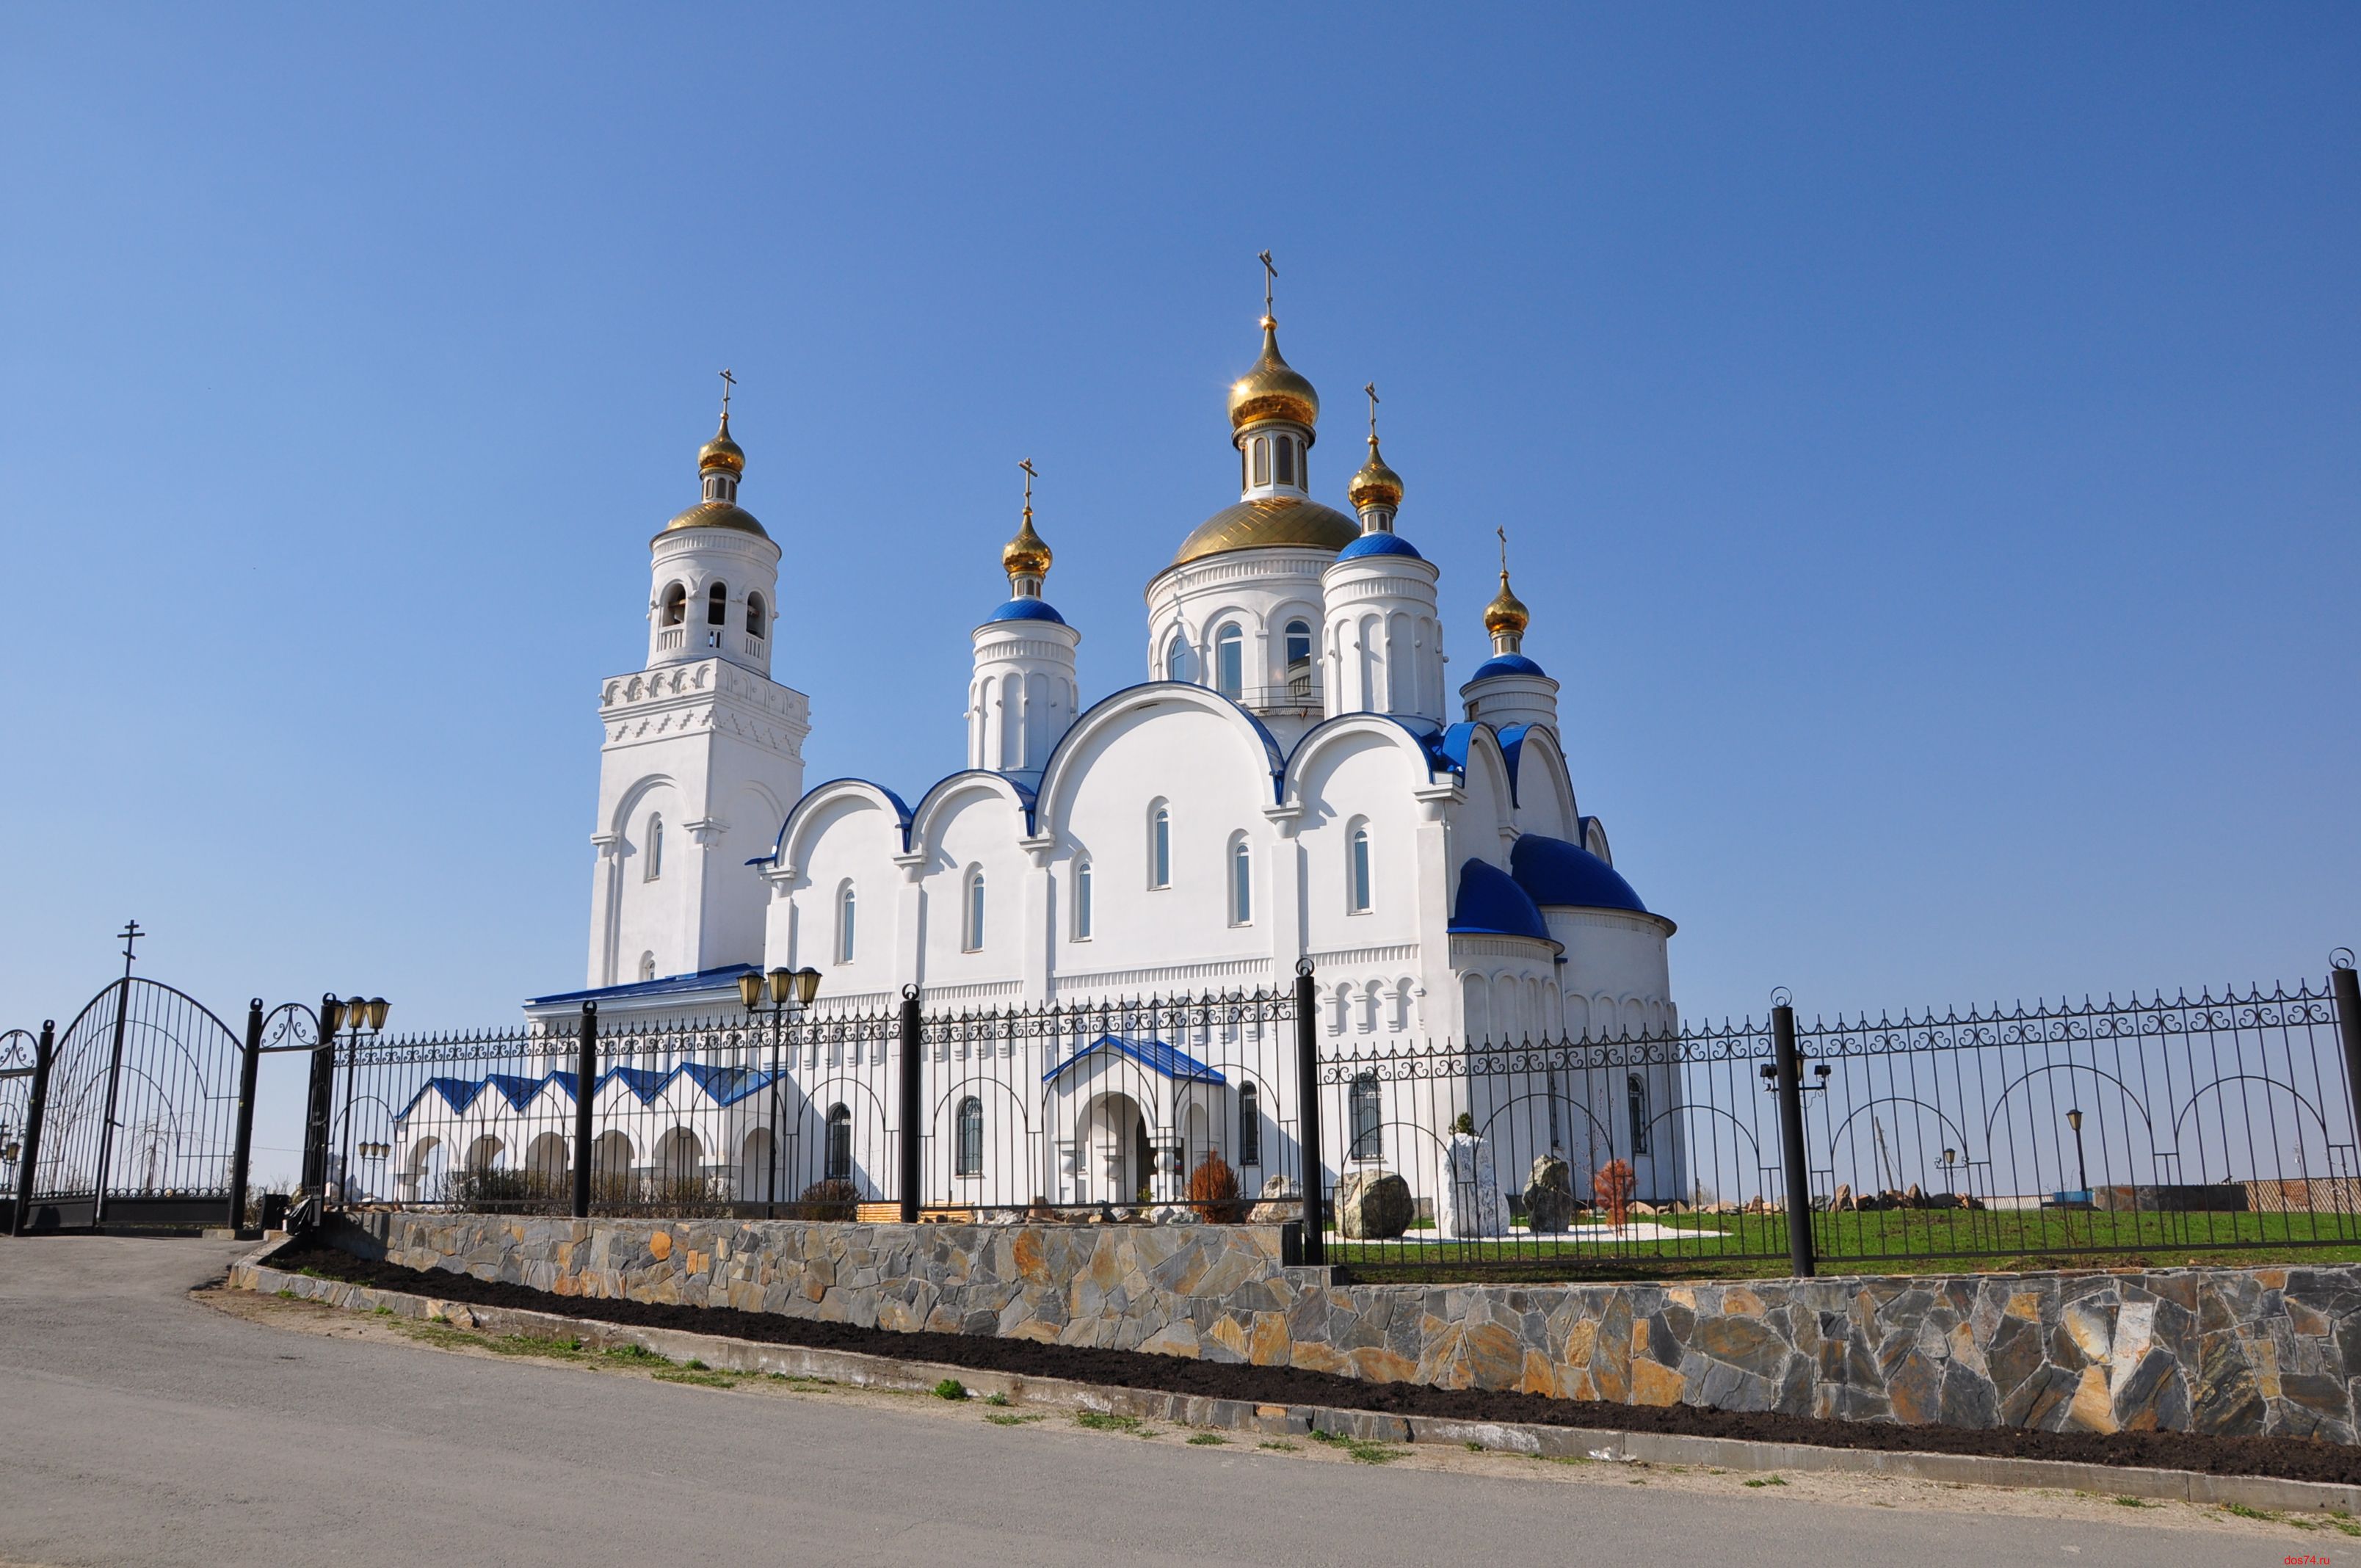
column 1486, row 814
column 835, row 801
column 1090, row 733
column 1316, row 755
column 1545, row 786
column 951, row 797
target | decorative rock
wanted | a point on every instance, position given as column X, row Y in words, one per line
column 1467, row 1200
column 1280, row 1201
column 1549, row 1195
column 1172, row 1214
column 1373, row 1205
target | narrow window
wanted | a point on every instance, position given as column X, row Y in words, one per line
column 1159, row 848
column 1229, row 661
column 1241, row 883
column 717, row 605
column 971, row 1139
column 654, row 867
column 974, row 911
column 839, row 1145
column 676, row 605
column 1299, row 645
column 756, row 622
column 1361, row 871
column 846, row 908
column 1249, row 1124
column 1286, row 460
column 647, row 966
column 1637, row 1092
column 1082, row 901
column 1262, row 460
column 1180, row 663
column 1369, row 1131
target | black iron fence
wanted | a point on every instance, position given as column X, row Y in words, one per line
column 2164, row 1128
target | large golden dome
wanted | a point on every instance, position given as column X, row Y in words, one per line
column 1374, row 484
column 717, row 514
column 1261, row 524
column 1273, row 389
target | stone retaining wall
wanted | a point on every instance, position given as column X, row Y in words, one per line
column 2212, row 1350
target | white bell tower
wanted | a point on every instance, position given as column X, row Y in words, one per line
column 1022, row 697
column 703, row 754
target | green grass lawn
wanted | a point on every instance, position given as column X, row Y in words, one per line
column 1897, row 1241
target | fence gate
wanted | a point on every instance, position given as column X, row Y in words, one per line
column 141, row 1120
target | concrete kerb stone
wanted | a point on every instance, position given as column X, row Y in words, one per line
column 254, row 1273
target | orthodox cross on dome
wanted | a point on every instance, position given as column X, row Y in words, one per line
column 131, row 933
column 1503, row 532
column 729, row 383
column 1029, row 474
column 1372, row 389
column 1270, row 272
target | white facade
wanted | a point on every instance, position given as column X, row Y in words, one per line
column 1284, row 785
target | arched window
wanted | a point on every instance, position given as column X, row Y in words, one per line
column 1358, row 874
column 1082, row 901
column 654, row 867
column 974, row 936
column 717, row 605
column 1635, row 1090
column 1366, row 1120
column 1249, row 1124
column 846, row 907
column 971, row 1139
column 757, row 622
column 1229, row 661
column 839, row 1145
column 1286, row 460
column 676, row 605
column 1241, row 883
column 1179, row 659
column 1261, row 460
column 1159, row 848
column 647, row 967
column 1299, row 644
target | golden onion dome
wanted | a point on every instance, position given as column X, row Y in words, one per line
column 1274, row 521
column 1027, row 554
column 721, row 452
column 1374, row 484
column 1273, row 389
column 1507, row 612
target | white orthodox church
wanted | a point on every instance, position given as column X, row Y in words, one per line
column 1292, row 777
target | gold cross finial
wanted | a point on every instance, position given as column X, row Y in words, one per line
column 1029, row 474
column 1504, row 553
column 728, row 383
column 1268, row 273
column 1372, row 389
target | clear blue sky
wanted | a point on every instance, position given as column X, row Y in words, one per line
column 1929, row 442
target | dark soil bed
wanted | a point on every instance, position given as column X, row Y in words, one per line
column 2295, row 1458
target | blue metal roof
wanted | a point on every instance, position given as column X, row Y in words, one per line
column 1025, row 610
column 1154, row 1054
column 1506, row 664
column 1567, row 876
column 1379, row 544
column 724, row 1085
column 1491, row 904
column 703, row 980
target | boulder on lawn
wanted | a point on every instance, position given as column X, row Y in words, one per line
column 1373, row 1205
column 1280, row 1201
column 1549, row 1195
column 1467, row 1190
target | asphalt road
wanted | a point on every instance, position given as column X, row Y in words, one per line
column 137, row 1426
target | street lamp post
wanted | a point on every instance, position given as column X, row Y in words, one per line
column 781, row 985
column 2082, row 1166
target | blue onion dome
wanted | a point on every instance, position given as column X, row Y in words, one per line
column 1506, row 664
column 1379, row 544
column 1025, row 609
column 1557, row 874
column 1490, row 902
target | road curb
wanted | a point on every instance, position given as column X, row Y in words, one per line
column 254, row 1272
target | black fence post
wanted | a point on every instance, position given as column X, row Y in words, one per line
column 1307, row 1114
column 585, row 1090
column 241, row 1159
column 907, row 1177
column 2346, row 984
column 37, row 1100
column 1790, row 1069
column 312, row 1201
